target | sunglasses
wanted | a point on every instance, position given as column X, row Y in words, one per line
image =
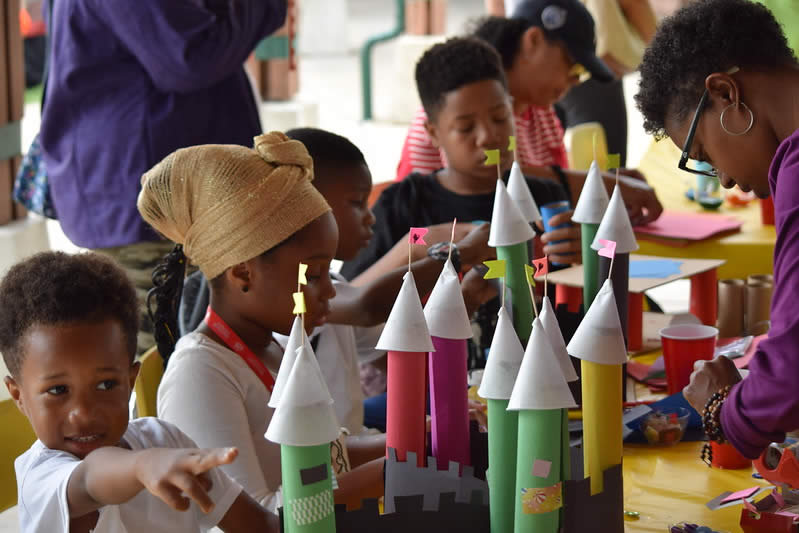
column 689, row 140
column 580, row 72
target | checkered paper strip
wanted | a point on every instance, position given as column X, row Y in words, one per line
column 312, row 509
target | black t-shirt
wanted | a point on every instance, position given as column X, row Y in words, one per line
column 419, row 201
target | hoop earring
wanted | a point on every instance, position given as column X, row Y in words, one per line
column 744, row 132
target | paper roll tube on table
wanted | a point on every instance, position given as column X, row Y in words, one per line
column 308, row 489
column 730, row 322
column 516, row 258
column 758, row 305
column 760, row 278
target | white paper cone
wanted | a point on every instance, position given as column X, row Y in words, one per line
column 445, row 310
column 305, row 414
column 406, row 328
column 519, row 191
column 552, row 328
column 599, row 337
column 615, row 226
column 296, row 338
column 540, row 384
column 504, row 359
column 593, row 199
column 508, row 225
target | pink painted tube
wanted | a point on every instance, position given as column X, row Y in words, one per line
column 405, row 416
column 449, row 407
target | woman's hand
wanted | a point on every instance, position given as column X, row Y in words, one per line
column 569, row 249
column 708, row 378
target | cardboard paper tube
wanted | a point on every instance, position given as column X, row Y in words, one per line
column 635, row 322
column 449, row 403
column 758, row 304
column 502, row 449
column 760, row 278
column 405, row 427
column 704, row 304
column 731, row 308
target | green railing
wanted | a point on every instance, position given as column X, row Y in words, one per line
column 366, row 56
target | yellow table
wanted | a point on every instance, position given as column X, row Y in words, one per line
column 748, row 252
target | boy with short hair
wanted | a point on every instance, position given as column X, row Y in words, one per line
column 68, row 327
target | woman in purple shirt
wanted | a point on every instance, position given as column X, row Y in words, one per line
column 720, row 80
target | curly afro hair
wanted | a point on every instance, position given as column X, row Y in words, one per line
column 328, row 150
column 450, row 65
column 57, row 288
column 705, row 37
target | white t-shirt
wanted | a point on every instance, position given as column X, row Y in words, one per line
column 43, row 474
column 217, row 400
column 340, row 350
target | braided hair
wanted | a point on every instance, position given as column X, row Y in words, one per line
column 163, row 300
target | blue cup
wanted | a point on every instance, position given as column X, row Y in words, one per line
column 550, row 210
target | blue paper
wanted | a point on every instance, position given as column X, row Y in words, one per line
column 654, row 269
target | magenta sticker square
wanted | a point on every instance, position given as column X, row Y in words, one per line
column 541, row 468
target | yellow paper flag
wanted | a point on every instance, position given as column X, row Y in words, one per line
column 496, row 269
column 299, row 303
column 614, row 161
column 512, row 143
column 492, row 157
column 301, row 279
column 530, row 273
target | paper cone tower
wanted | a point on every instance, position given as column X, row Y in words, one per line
column 508, row 225
column 519, row 191
column 445, row 310
column 615, row 226
column 540, row 384
column 407, row 340
column 599, row 337
column 593, row 199
column 552, row 328
column 504, row 360
column 296, row 339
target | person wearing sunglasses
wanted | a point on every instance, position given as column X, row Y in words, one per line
column 721, row 82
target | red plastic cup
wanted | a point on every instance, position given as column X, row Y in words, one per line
column 767, row 211
column 683, row 345
column 727, row 457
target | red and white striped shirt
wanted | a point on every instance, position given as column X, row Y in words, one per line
column 539, row 141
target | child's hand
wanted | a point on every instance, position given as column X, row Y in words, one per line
column 639, row 197
column 474, row 248
column 569, row 251
column 178, row 475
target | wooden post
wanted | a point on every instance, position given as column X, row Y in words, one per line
column 12, row 87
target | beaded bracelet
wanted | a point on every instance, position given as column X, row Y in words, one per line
column 711, row 422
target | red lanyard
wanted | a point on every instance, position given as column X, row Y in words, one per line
column 235, row 343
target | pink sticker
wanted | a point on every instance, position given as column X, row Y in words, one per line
column 541, row 468
column 740, row 495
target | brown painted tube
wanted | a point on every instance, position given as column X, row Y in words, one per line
column 731, row 308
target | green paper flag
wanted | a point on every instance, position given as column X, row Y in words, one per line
column 496, row 269
column 530, row 272
column 492, row 157
column 614, row 161
column 512, row 143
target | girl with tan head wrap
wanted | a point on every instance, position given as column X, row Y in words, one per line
column 247, row 218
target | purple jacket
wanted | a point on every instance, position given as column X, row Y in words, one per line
column 132, row 81
column 763, row 407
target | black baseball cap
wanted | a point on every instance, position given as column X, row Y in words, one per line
column 568, row 21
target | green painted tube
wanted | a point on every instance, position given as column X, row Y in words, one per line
column 538, row 431
column 307, row 489
column 516, row 257
column 590, row 265
column 502, row 431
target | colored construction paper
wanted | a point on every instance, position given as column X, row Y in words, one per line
column 512, row 143
column 615, row 226
column 508, row 225
column 492, row 157
column 406, row 327
column 538, row 498
column 496, row 269
column 445, row 310
column 552, row 328
column 501, row 475
column 689, row 226
column 602, row 419
column 308, row 507
column 301, row 279
column 503, row 362
column 405, row 404
column 590, row 263
column 655, row 269
column 529, row 271
column 299, row 303
column 416, row 235
column 613, row 161
column 593, row 200
column 540, row 384
column 608, row 248
column 516, row 281
column 541, row 266
column 541, row 468
column 295, row 340
column 520, row 193
column 599, row 337
column 449, row 409
column 304, row 414
column 741, row 494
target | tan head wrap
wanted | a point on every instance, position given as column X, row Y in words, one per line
column 226, row 204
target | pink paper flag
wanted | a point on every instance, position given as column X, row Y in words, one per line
column 608, row 248
column 416, row 235
column 740, row 495
column 541, row 468
column 541, row 266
